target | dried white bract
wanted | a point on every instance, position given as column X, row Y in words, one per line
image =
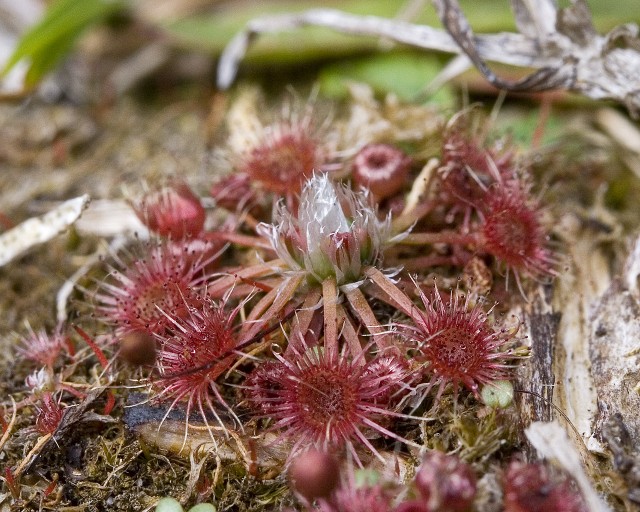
column 335, row 233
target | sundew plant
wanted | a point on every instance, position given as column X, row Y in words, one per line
column 351, row 296
column 338, row 317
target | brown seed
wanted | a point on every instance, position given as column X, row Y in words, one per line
column 314, row 474
column 138, row 348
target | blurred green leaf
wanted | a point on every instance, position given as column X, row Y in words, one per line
column 65, row 20
column 521, row 123
column 402, row 73
column 212, row 32
column 53, row 37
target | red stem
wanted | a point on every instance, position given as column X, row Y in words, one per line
column 442, row 237
column 92, row 345
column 111, row 403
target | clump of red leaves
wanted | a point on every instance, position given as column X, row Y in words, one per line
column 329, row 387
column 49, row 414
column 354, row 344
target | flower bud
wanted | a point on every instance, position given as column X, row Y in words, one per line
column 174, row 211
column 314, row 474
column 446, row 482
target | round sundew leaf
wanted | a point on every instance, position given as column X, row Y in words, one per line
column 498, row 394
column 169, row 505
column 203, row 507
column 366, row 477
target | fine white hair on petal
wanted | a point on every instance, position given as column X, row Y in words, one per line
column 320, row 212
column 336, row 232
column 38, row 380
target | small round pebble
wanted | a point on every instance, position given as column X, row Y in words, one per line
column 169, row 505
column 203, row 507
column 498, row 395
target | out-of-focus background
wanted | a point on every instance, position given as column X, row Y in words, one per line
column 124, row 42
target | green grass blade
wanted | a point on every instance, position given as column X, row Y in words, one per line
column 54, row 36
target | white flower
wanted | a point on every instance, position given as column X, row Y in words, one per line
column 335, row 234
column 39, row 380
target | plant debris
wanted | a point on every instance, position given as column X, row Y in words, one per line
column 561, row 44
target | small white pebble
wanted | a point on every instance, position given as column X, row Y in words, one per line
column 169, row 505
column 203, row 507
column 498, row 394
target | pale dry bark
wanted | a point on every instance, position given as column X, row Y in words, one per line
column 584, row 334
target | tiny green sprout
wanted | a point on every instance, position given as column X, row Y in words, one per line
column 366, row 478
column 203, row 507
column 169, row 505
column 498, row 394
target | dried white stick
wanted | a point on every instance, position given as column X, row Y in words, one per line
column 552, row 442
column 38, row 230
column 561, row 44
column 419, row 36
column 65, row 291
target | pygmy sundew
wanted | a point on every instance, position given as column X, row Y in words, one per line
column 323, row 250
column 381, row 168
column 49, row 414
column 531, row 487
column 445, row 483
column 336, row 232
column 174, row 211
column 318, row 398
column 455, row 343
column 513, row 233
column 469, row 168
column 42, row 347
column 142, row 289
column 194, row 350
column 277, row 155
